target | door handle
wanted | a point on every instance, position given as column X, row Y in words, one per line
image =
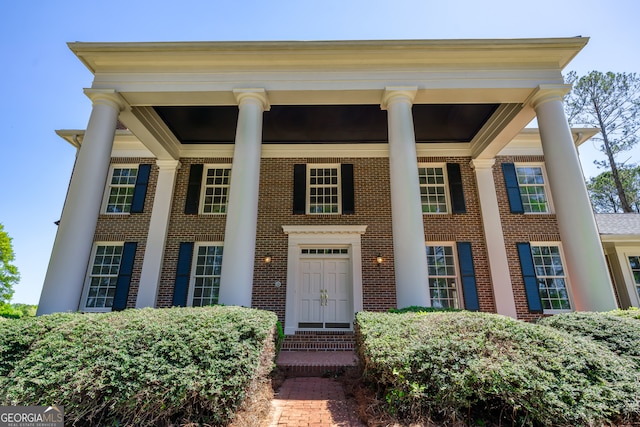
column 324, row 297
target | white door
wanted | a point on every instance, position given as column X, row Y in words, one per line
column 325, row 297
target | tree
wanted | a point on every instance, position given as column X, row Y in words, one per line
column 610, row 102
column 9, row 275
column 604, row 195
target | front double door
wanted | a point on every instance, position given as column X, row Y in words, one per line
column 325, row 297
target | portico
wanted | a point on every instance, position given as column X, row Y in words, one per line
column 339, row 106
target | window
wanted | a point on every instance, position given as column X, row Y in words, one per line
column 552, row 284
column 531, row 182
column 206, row 275
column 103, row 277
column 442, row 276
column 324, row 189
column 119, row 194
column 433, row 189
column 634, row 262
column 215, row 190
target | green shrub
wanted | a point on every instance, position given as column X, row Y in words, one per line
column 619, row 332
column 9, row 312
column 136, row 367
column 479, row 367
column 631, row 313
column 420, row 309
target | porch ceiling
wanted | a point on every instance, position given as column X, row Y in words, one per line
column 433, row 123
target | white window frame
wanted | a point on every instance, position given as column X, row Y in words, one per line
column 545, row 185
column 89, row 275
column 445, row 185
column 338, row 168
column 456, row 265
column 194, row 263
column 567, row 282
column 107, row 191
column 203, row 187
column 635, row 287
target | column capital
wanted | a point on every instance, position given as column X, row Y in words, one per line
column 259, row 94
column 168, row 164
column 398, row 93
column 482, row 163
column 545, row 93
column 109, row 97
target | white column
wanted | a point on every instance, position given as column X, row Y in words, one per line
column 585, row 263
column 236, row 281
column 157, row 236
column 494, row 238
column 406, row 210
column 72, row 247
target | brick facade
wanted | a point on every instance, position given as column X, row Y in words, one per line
column 372, row 208
column 521, row 228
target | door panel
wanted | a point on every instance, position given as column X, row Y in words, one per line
column 309, row 302
column 325, row 298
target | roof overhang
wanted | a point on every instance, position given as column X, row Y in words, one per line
column 502, row 72
column 361, row 54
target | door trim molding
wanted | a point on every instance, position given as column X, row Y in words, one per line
column 305, row 235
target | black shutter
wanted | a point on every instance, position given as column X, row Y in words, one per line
column 529, row 277
column 183, row 274
column 513, row 190
column 468, row 274
column 299, row 189
column 348, row 201
column 193, row 189
column 124, row 276
column 455, row 188
column 140, row 189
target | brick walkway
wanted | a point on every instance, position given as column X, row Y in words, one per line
column 310, row 401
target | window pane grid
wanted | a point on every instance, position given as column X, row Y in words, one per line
column 442, row 276
column 216, row 190
column 322, row 251
column 121, row 186
column 532, row 189
column 551, row 277
column 432, row 189
column 103, row 277
column 634, row 262
column 323, row 190
column 207, row 276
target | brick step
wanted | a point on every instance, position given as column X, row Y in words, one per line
column 319, row 341
column 317, row 363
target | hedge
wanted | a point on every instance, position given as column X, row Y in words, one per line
column 485, row 368
column 619, row 331
column 137, row 367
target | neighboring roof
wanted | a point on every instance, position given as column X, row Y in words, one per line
column 618, row 225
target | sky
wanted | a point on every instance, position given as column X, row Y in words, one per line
column 42, row 80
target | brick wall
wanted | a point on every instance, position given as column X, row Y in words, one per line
column 466, row 227
column 521, row 228
column 372, row 208
column 131, row 227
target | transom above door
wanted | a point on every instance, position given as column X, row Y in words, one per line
column 325, row 289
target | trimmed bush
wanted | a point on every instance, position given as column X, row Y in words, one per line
column 631, row 313
column 480, row 367
column 616, row 330
column 137, row 367
column 420, row 309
